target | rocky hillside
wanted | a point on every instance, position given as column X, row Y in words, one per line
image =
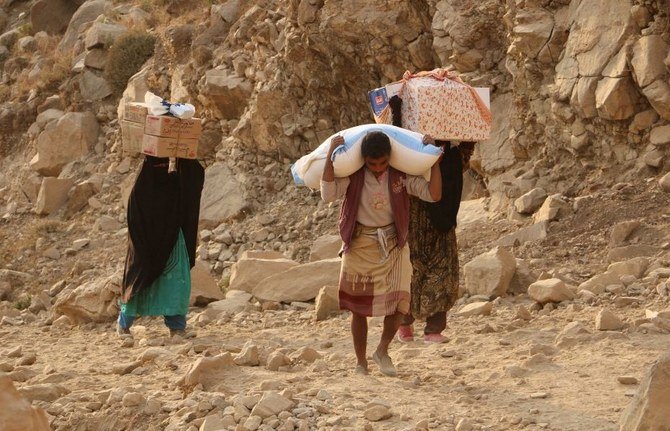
column 572, row 186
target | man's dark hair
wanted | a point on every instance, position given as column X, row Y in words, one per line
column 376, row 145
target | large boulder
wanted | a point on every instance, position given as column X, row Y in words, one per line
column 599, row 30
column 102, row 35
column 648, row 54
column 94, row 301
column 204, row 288
column 222, row 196
column 550, row 290
column 52, row 195
column 16, row 413
column 490, row 273
column 87, row 13
column 650, row 408
column 300, row 283
column 531, row 31
column 658, row 95
column 325, row 247
column 616, row 98
column 52, row 16
column 69, row 139
column 229, row 92
column 246, row 273
column 93, row 87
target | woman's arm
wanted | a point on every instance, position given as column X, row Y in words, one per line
column 435, row 184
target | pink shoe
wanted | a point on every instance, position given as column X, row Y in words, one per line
column 434, row 339
column 405, row 334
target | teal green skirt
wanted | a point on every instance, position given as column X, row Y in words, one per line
column 169, row 295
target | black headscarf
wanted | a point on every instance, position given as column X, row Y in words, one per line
column 160, row 204
column 442, row 214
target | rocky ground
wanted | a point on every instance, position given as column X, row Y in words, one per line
column 511, row 365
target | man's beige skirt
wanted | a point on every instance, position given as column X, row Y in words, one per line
column 370, row 284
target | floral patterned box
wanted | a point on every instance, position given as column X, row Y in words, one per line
column 437, row 103
column 444, row 109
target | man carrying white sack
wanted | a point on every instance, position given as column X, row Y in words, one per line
column 374, row 222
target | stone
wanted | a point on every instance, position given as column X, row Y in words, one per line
column 490, row 273
column 643, row 120
column 627, row 380
column 523, row 313
column 222, row 196
column 325, row 247
column 530, row 202
column 650, row 408
column 271, row 403
column 96, row 59
column 616, row 98
column 202, row 370
column 247, row 272
column 531, row 31
column 132, row 399
column 52, row 195
column 658, row 95
column 85, row 14
column 249, row 356
column 47, row 392
column 327, row 302
column 377, row 413
column 475, row 309
column 584, row 101
column 305, row 354
column 523, row 277
column 16, row 413
column 228, row 93
column 553, row 208
column 622, row 230
column 532, row 233
column 204, row 288
column 72, row 137
column 93, row 87
column 52, row 16
column 93, row 301
column 276, row 360
column 313, row 276
column 103, row 35
column 608, row 321
column 550, row 290
column 465, row 425
column 660, row 135
column 646, row 64
column 235, row 302
column 592, row 27
column 78, row 198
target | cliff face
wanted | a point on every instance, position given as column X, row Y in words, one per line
column 573, row 82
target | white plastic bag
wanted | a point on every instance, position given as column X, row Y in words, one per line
column 158, row 106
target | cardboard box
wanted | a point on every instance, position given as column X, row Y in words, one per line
column 161, row 146
column 135, row 112
column 446, row 110
column 172, row 127
column 131, row 135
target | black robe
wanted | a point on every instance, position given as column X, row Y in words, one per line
column 160, row 204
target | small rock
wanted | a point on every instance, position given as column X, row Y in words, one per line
column 627, row 380
column 377, row 413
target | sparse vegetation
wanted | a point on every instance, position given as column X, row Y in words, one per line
column 23, row 302
column 25, row 29
column 127, row 56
